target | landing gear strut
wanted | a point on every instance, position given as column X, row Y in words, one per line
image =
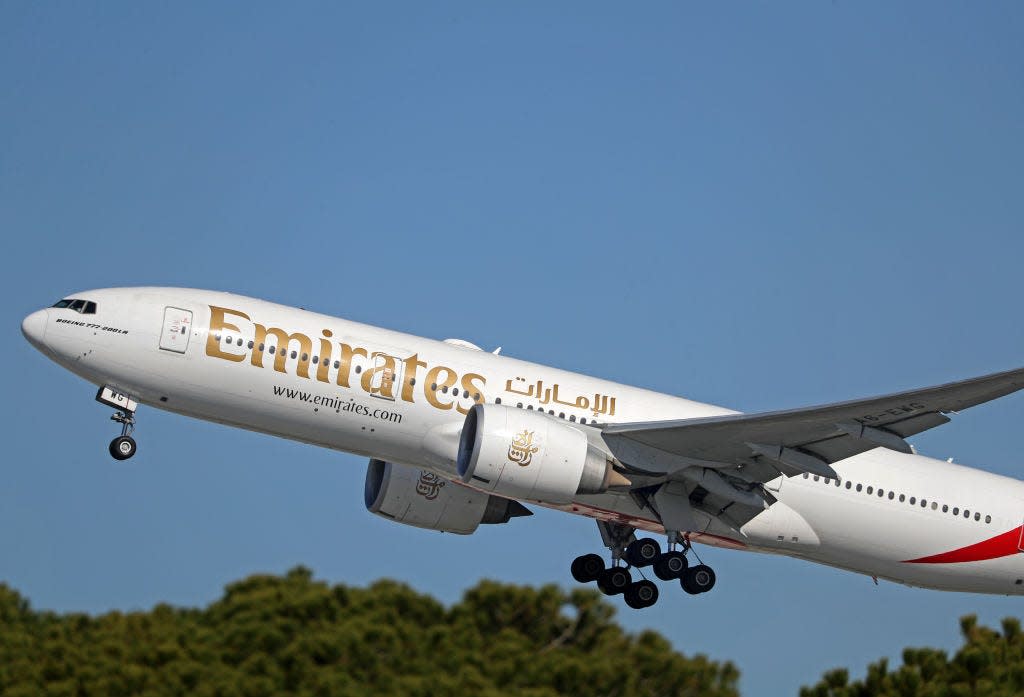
column 638, row 554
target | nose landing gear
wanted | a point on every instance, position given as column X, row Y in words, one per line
column 122, row 447
column 638, row 554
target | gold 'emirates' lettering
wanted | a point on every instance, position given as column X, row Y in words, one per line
column 436, row 386
column 378, row 379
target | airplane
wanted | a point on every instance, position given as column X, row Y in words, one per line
column 457, row 437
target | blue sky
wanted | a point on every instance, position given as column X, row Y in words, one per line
column 757, row 205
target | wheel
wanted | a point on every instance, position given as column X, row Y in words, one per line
column 122, row 447
column 642, row 552
column 641, row 594
column 614, row 580
column 699, row 579
column 587, row 568
column 670, row 565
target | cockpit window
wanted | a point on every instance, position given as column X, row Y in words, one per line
column 84, row 307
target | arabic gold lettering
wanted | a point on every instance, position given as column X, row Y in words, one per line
column 547, row 392
column 510, row 388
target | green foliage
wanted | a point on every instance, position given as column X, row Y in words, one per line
column 989, row 664
column 291, row 635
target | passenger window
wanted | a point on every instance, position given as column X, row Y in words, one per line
column 935, row 506
column 871, row 490
column 977, row 516
column 816, row 477
column 945, row 508
column 891, row 496
column 455, row 391
column 337, row 364
column 859, row 487
column 881, row 493
column 572, row 418
column 239, row 342
column 250, row 341
column 316, row 359
column 848, row 485
column 956, row 511
column 913, row 500
column 806, row 476
column 988, row 519
column 837, row 483
column 967, row 514
column 902, row 498
column 295, row 354
column 305, row 356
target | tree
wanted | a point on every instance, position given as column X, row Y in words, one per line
column 292, row 635
column 989, row 664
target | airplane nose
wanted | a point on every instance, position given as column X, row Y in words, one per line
column 34, row 327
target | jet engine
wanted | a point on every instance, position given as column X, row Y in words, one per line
column 529, row 455
column 422, row 499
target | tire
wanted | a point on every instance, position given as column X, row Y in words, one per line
column 614, row 580
column 642, row 552
column 670, row 565
column 698, row 579
column 122, row 447
column 641, row 594
column 587, row 568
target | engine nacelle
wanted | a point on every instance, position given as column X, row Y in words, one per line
column 422, row 499
column 528, row 455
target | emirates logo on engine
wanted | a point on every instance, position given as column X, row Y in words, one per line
column 522, row 449
column 429, row 485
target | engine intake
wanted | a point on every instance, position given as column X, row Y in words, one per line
column 420, row 498
column 529, row 455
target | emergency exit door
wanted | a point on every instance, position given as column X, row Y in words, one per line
column 176, row 330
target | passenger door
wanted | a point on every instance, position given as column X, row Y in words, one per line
column 177, row 329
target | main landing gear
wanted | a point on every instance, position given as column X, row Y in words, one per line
column 122, row 447
column 639, row 554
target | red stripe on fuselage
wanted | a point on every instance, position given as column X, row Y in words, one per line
column 999, row 546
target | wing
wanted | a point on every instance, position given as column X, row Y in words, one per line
column 756, row 448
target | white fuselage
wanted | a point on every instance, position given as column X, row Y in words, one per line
column 335, row 388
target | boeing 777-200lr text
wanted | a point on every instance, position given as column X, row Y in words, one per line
column 457, row 437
